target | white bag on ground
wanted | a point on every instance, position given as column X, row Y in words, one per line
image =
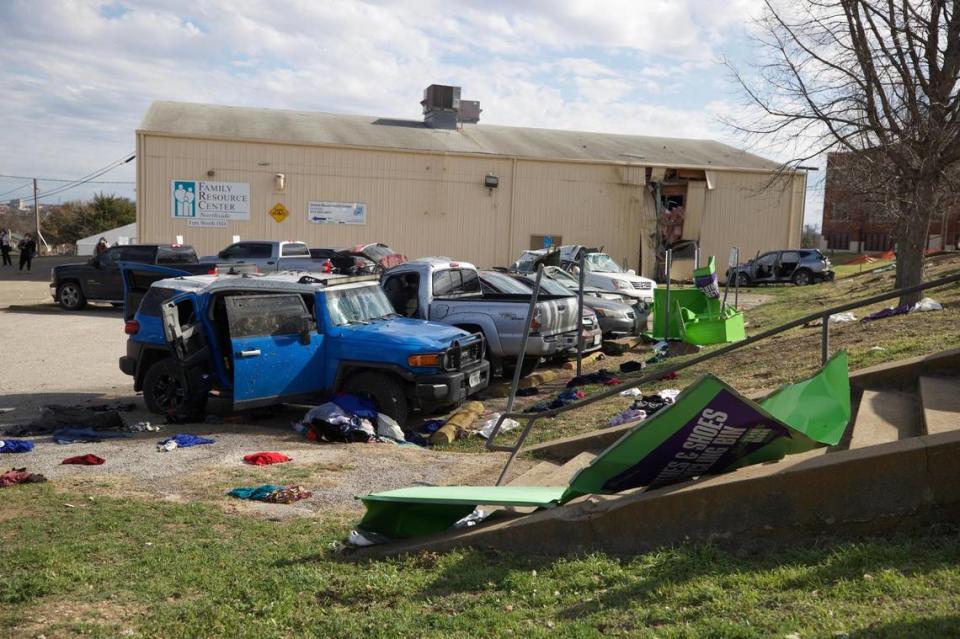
column 843, row 317
column 927, row 304
column 491, row 423
column 388, row 427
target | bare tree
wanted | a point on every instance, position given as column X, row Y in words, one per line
column 874, row 78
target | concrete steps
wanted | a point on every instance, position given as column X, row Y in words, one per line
column 941, row 403
column 885, row 416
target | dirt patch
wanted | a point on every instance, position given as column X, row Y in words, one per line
column 54, row 619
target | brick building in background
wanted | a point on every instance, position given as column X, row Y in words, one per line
column 851, row 223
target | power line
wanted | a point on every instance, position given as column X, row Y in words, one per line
column 87, row 178
column 45, row 179
column 22, row 186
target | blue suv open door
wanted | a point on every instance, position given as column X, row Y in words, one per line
column 276, row 350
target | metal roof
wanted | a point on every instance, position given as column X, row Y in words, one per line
column 313, row 128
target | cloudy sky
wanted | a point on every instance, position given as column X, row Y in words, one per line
column 79, row 75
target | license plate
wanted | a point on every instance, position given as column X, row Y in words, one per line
column 474, row 379
column 596, row 339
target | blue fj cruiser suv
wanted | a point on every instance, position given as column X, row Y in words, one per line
column 288, row 337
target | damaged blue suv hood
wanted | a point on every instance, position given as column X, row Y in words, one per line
column 412, row 334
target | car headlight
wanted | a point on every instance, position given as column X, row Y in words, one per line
column 621, row 284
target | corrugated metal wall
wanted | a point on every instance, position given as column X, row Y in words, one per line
column 432, row 204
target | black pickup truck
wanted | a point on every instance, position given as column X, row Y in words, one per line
column 98, row 279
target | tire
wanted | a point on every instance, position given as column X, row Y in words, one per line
column 163, row 389
column 803, row 277
column 385, row 392
column 70, row 296
column 743, row 280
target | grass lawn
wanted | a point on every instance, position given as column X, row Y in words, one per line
column 75, row 564
column 130, row 568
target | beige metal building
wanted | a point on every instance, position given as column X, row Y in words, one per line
column 476, row 192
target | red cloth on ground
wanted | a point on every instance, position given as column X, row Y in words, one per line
column 262, row 459
column 84, row 460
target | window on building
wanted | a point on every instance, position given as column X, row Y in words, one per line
column 838, row 241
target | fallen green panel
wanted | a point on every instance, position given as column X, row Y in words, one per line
column 426, row 510
column 713, row 429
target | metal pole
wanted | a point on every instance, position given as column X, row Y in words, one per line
column 736, row 285
column 825, row 340
column 668, row 265
column 583, row 262
column 36, row 212
column 523, row 350
column 696, row 255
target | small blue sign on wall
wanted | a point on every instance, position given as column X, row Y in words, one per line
column 547, row 241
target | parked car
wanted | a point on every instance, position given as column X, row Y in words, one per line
column 498, row 282
column 270, row 255
column 800, row 266
column 615, row 319
column 573, row 283
column 99, row 280
column 447, row 291
column 361, row 259
column 602, row 271
column 267, row 339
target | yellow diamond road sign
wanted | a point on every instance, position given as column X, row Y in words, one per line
column 279, row 212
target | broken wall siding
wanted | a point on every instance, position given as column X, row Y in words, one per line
column 745, row 210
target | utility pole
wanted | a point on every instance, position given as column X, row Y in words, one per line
column 39, row 239
column 36, row 212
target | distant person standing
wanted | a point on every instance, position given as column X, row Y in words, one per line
column 5, row 247
column 28, row 247
column 101, row 246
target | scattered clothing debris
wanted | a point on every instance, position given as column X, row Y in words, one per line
column 124, row 407
column 565, row 398
column 141, row 427
column 877, row 349
column 631, row 392
column 55, row 416
column 602, row 376
column 265, row 459
column 332, row 423
column 361, row 539
column 271, row 493
column 432, row 425
column 669, row 376
column 527, row 392
column 182, row 440
column 669, row 394
column 627, row 416
column 887, row 312
column 471, row 520
column 487, row 428
column 926, row 304
column 84, row 460
column 388, row 428
column 359, row 406
column 84, row 435
column 840, row 318
column 630, row 367
column 417, row 439
column 15, row 445
column 20, row 476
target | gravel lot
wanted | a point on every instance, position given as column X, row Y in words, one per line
column 48, row 356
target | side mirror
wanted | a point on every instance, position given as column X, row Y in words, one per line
column 222, row 255
column 95, row 261
column 631, row 272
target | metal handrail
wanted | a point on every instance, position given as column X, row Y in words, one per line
column 661, row 372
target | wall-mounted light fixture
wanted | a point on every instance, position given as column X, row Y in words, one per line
column 491, row 181
column 211, row 173
column 279, row 182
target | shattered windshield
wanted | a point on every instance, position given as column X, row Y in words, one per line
column 357, row 305
column 602, row 263
column 561, row 276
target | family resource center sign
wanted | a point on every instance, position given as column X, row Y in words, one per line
column 210, row 203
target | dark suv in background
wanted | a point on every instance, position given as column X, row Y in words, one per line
column 800, row 266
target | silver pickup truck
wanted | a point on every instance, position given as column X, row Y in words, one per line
column 441, row 290
column 269, row 256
